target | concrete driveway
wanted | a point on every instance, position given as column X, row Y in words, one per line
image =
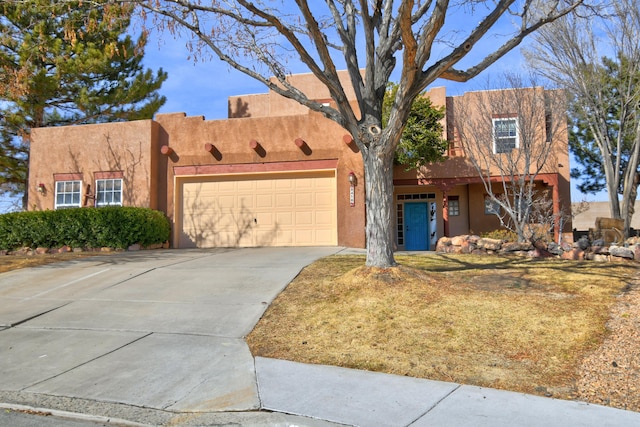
column 152, row 329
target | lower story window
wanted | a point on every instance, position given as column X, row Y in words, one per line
column 400, row 223
column 109, row 192
column 68, row 194
column 491, row 206
column 454, row 205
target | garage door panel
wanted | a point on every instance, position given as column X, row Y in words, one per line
column 284, row 184
column 304, row 200
column 265, row 201
column 303, row 236
column 241, row 186
column 304, row 184
column 324, row 218
column 223, row 201
column 268, row 210
column 322, row 199
column 265, row 219
column 284, row 201
column 284, row 219
column 323, row 237
column 224, row 186
column 246, row 202
column 304, row 219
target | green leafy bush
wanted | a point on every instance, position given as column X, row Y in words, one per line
column 112, row 226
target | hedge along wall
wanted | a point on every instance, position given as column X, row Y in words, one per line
column 110, row 226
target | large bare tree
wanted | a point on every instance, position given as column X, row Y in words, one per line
column 419, row 41
column 597, row 59
column 512, row 133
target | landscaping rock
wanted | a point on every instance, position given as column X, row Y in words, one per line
column 473, row 244
column 602, row 250
column 459, row 240
column 517, row 246
column 583, row 243
column 468, row 247
column 575, row 254
column 489, row 244
column 442, row 244
column 556, row 249
column 621, row 252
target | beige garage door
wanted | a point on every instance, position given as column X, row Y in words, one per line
column 288, row 209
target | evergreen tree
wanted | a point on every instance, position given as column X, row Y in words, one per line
column 620, row 124
column 65, row 63
column 421, row 141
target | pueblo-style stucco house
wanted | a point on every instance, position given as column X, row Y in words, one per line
column 273, row 173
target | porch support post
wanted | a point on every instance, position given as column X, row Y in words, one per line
column 556, row 210
column 445, row 212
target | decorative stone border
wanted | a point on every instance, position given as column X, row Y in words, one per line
column 581, row 250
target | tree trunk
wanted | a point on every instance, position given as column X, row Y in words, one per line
column 378, row 172
column 612, row 188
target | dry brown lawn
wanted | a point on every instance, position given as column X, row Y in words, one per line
column 511, row 323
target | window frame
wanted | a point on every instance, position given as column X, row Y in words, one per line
column 491, row 206
column 110, row 192
column 497, row 139
column 58, row 192
column 453, row 205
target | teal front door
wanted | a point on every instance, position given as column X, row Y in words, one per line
column 416, row 226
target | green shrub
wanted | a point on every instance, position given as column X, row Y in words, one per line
column 112, row 226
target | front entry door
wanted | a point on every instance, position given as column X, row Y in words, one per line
column 416, row 224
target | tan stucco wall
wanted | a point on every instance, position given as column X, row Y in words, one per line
column 271, row 104
column 276, row 136
column 129, row 148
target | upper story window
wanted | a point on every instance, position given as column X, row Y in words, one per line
column 505, row 135
column 68, row 194
column 109, row 192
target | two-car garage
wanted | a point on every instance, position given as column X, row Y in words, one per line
column 286, row 208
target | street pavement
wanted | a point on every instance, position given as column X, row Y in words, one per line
column 157, row 338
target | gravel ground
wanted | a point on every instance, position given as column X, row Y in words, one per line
column 611, row 375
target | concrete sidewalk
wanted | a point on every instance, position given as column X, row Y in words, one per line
column 157, row 338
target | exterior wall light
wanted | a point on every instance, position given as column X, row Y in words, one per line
column 353, row 180
column 41, row 188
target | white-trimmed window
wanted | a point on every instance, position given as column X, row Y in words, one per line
column 505, row 134
column 68, row 194
column 109, row 192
